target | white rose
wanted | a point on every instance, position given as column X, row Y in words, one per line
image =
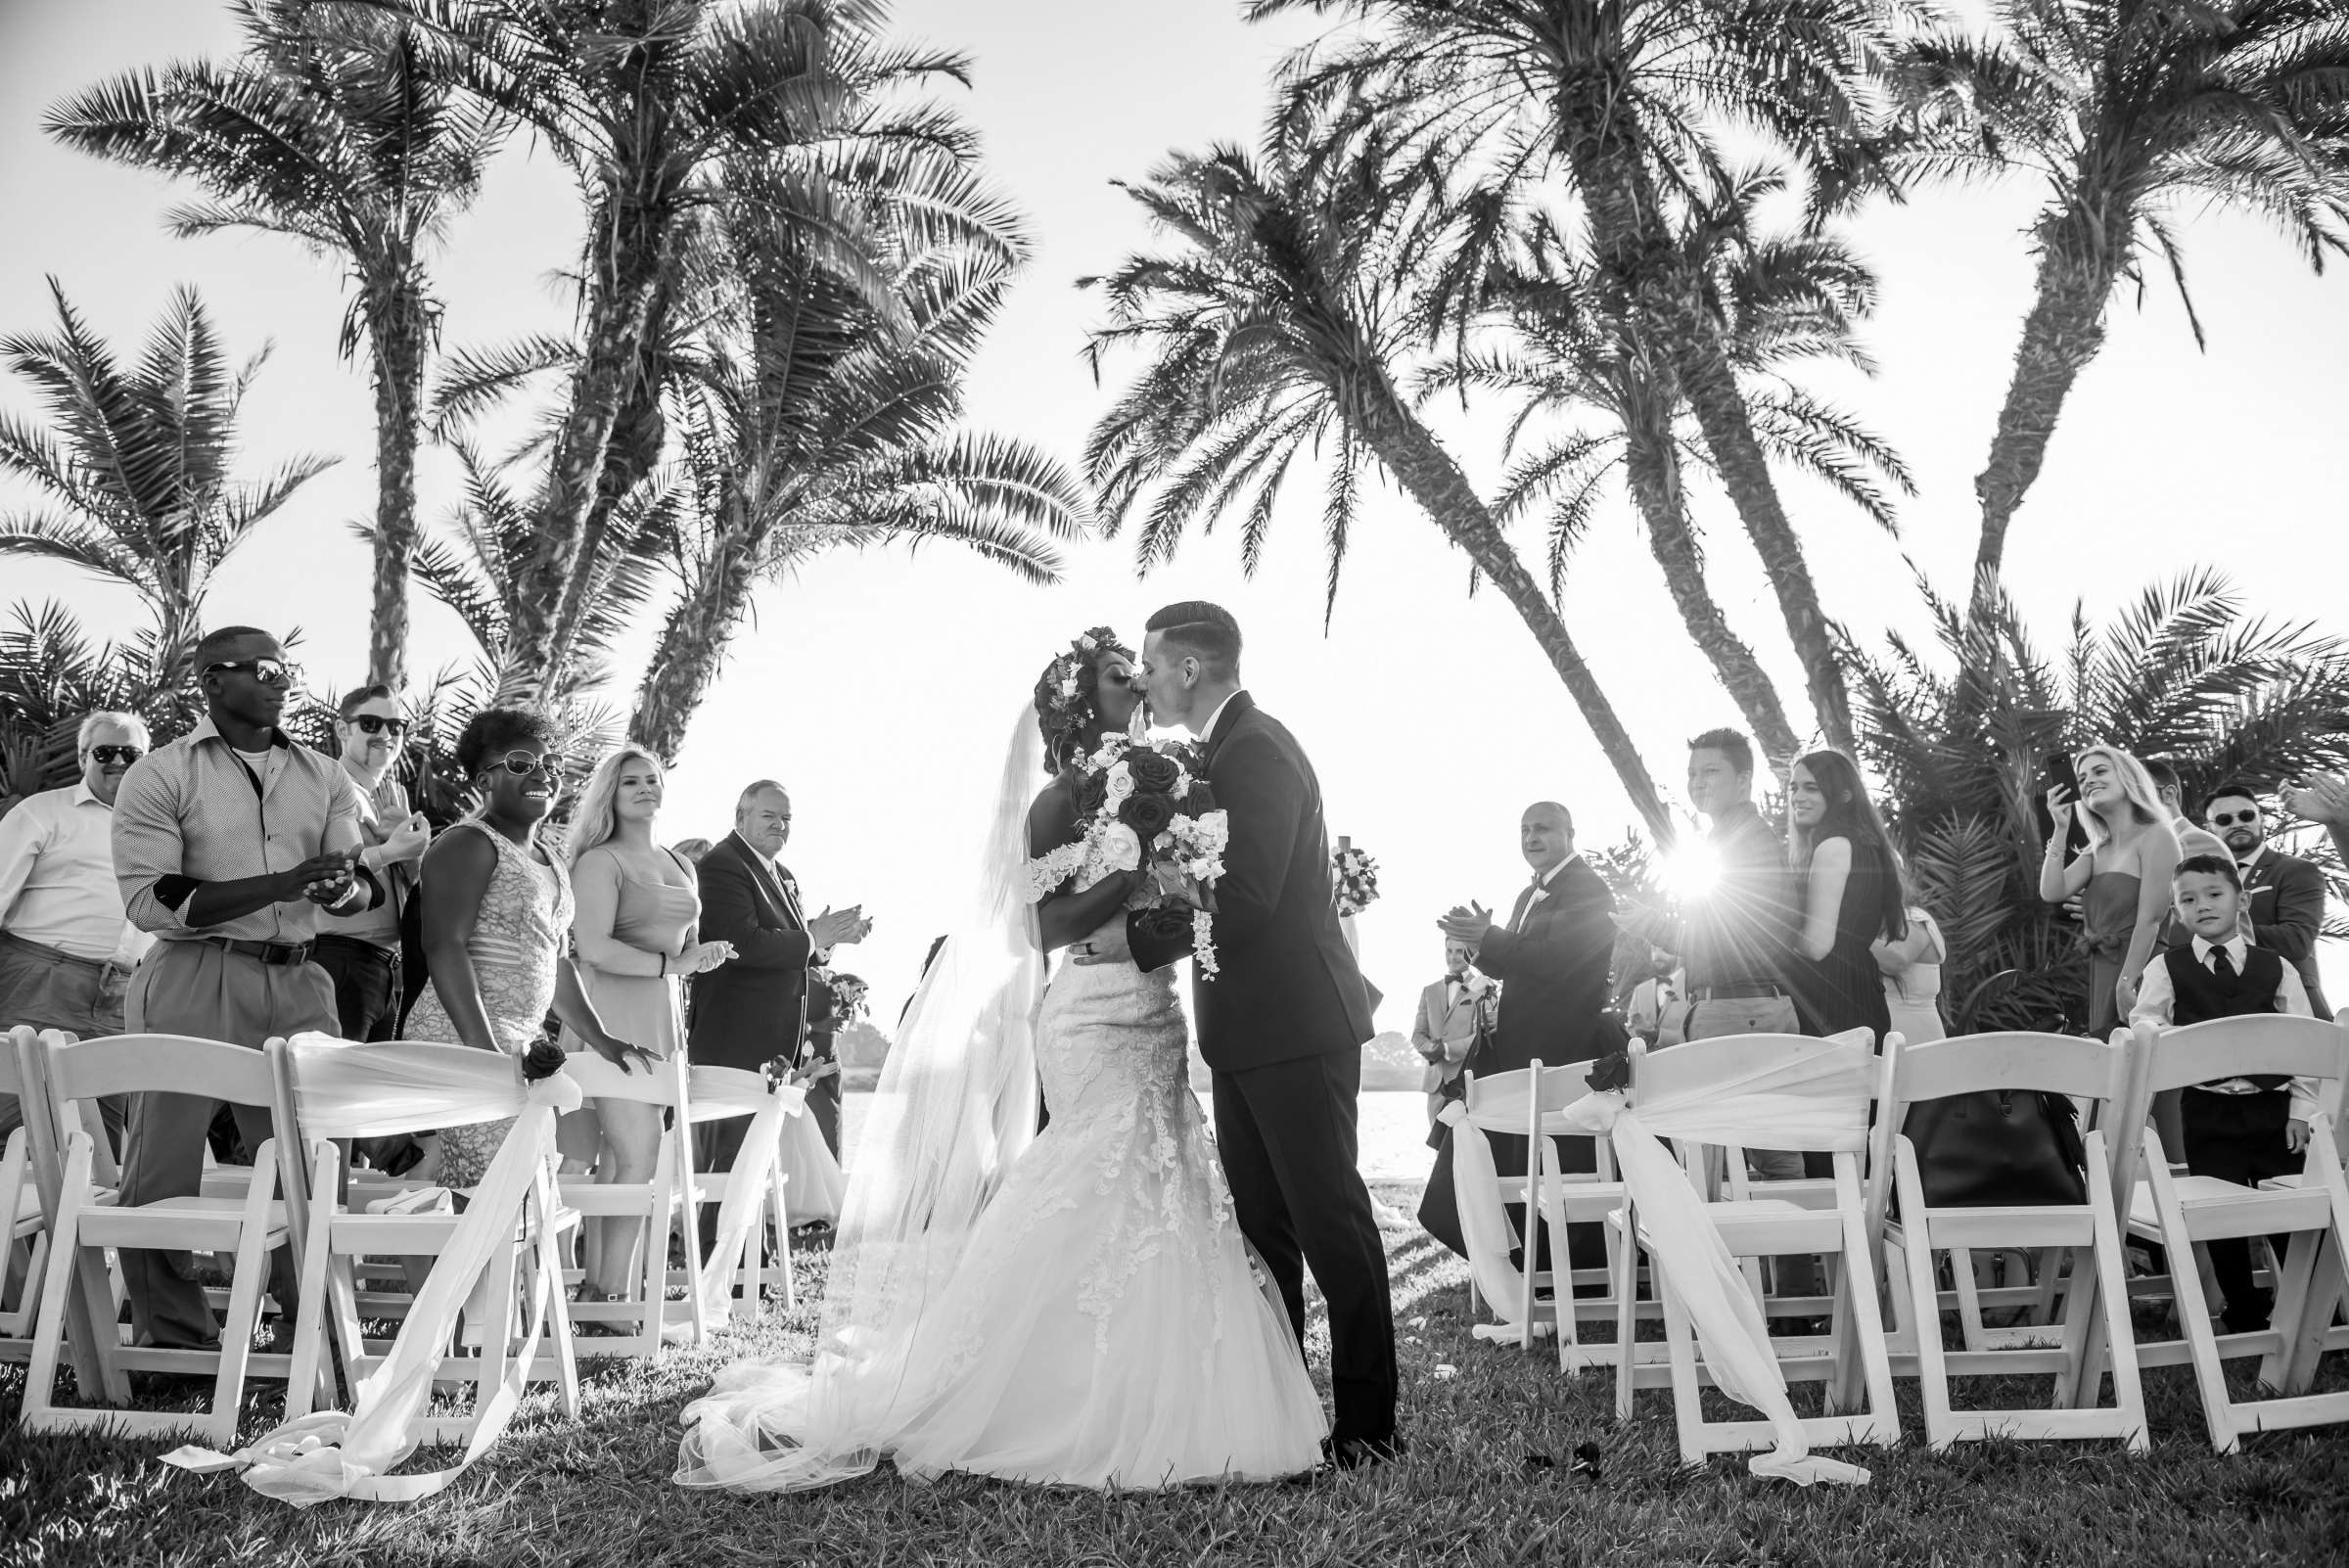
column 1214, row 831
column 1121, row 783
column 1120, row 850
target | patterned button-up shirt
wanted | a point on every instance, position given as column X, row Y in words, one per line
column 192, row 812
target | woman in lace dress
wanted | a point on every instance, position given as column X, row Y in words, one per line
column 496, row 910
column 1100, row 1321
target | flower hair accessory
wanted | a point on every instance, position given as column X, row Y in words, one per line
column 1066, row 702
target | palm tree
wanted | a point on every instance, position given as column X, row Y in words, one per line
column 1783, row 300
column 1959, row 734
column 811, row 427
column 642, row 99
column 2128, row 112
column 1485, row 109
column 135, row 463
column 52, row 673
column 1273, row 327
column 329, row 128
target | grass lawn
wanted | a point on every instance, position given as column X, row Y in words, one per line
column 599, row 1492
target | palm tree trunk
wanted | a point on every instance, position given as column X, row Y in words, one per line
column 395, row 332
column 1653, row 467
column 2062, row 333
column 693, row 638
column 634, row 450
column 1425, row 470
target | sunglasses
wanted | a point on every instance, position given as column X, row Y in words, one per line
column 522, row 763
column 269, row 671
column 2227, row 818
column 108, row 756
column 375, row 725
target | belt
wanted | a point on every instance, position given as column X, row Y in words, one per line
column 58, row 955
column 335, row 939
column 2238, row 1088
column 269, row 952
column 1735, row 989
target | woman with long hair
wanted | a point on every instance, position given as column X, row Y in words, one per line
column 2122, row 878
column 638, row 906
column 1851, row 897
column 495, row 907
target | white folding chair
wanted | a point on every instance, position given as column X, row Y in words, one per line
column 24, row 1245
column 2090, row 1231
column 717, row 1094
column 33, row 1169
column 520, row 1293
column 246, row 1228
column 664, row 1203
column 1694, row 1078
column 2188, row 1212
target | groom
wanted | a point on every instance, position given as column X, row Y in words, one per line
column 1284, row 1023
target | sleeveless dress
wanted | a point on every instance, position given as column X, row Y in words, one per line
column 1845, row 989
column 651, row 916
column 517, row 939
column 1110, row 1328
column 1913, row 996
column 2107, row 918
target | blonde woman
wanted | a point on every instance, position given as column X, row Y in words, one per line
column 2122, row 878
column 637, row 908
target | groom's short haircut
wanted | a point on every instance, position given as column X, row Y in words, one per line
column 1206, row 631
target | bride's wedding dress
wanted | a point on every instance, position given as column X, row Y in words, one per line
column 1097, row 1321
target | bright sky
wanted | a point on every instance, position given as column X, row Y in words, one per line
column 880, row 688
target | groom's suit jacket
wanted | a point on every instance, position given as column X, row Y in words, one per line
column 751, row 1009
column 1288, row 985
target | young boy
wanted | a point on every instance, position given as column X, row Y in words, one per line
column 2241, row 1130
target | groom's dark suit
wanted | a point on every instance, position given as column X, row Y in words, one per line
column 1282, row 1026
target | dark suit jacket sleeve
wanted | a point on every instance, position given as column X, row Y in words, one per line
column 2299, row 913
column 1264, row 799
column 731, row 914
column 1552, row 946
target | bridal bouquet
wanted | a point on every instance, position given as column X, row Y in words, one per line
column 848, row 993
column 1146, row 806
column 1357, row 881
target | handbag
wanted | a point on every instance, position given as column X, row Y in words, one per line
column 1998, row 1147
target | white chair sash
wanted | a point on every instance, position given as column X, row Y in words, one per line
column 347, row 1090
column 714, row 1092
column 1811, row 1102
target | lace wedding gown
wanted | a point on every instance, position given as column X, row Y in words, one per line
column 1103, row 1325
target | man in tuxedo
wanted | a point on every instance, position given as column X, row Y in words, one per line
column 1283, row 1025
column 1452, row 1012
column 2284, row 893
column 1552, row 962
column 750, row 1011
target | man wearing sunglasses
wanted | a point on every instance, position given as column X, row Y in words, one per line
column 2283, row 894
column 228, row 842
column 67, row 950
column 360, row 953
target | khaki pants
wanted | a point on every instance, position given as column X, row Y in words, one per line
column 46, row 989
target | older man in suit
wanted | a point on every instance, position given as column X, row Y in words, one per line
column 2283, row 895
column 1552, row 962
column 753, row 1010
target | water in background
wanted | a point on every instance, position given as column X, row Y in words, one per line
column 1392, row 1123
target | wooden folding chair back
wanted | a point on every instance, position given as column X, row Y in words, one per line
column 24, row 1210
column 722, row 1093
column 247, row 1226
column 1853, row 1358
column 2185, row 1213
column 2093, row 1330
column 520, row 1293
column 94, row 1302
column 1523, row 1103
column 664, row 1202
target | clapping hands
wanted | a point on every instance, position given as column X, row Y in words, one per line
column 2324, row 800
column 838, row 928
column 1467, row 923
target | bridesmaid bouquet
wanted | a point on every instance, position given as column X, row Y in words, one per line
column 1356, row 877
column 1146, row 806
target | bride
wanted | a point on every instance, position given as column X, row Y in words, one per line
column 1073, row 1307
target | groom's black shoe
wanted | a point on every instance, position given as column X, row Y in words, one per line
column 1349, row 1454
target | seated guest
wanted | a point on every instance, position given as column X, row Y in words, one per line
column 1849, row 898
column 633, row 929
column 1552, row 960
column 67, row 950
column 1453, row 1013
column 2241, row 1129
column 497, row 912
column 2283, row 896
column 361, row 953
column 1911, row 971
column 2122, row 877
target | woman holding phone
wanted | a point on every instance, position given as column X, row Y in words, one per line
column 2122, row 878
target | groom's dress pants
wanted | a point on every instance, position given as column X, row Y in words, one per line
column 1286, row 1134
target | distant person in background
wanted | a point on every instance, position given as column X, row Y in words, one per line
column 1911, row 971
column 2124, row 874
column 1452, row 1012
column 2192, row 837
column 2283, row 894
column 361, row 953
column 1848, row 888
column 690, row 851
column 66, row 948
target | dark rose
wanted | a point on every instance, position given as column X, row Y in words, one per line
column 544, row 1059
column 1093, row 793
column 1152, row 773
column 1200, row 800
column 1148, row 817
column 1170, row 922
column 1610, row 1072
